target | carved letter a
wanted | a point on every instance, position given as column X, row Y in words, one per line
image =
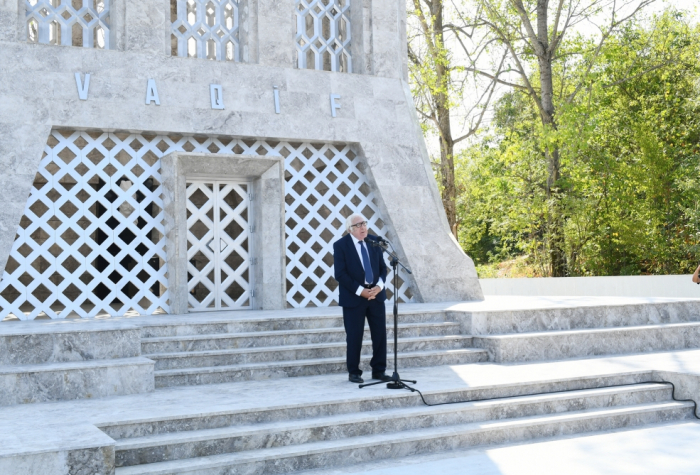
column 152, row 92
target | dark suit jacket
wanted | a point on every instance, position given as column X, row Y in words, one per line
column 349, row 271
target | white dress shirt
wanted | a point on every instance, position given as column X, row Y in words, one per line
column 358, row 244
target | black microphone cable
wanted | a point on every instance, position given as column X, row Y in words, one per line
column 673, row 394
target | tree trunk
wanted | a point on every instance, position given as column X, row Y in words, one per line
column 442, row 106
column 447, row 179
column 555, row 220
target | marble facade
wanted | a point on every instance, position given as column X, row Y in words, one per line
column 371, row 109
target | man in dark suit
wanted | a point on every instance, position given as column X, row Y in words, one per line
column 361, row 272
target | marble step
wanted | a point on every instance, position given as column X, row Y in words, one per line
column 41, row 341
column 352, row 450
column 584, row 315
column 221, row 341
column 365, row 402
column 284, row 369
column 231, row 322
column 195, row 359
column 195, row 443
column 557, row 345
column 75, row 380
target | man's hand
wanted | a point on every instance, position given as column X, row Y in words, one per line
column 696, row 276
column 370, row 294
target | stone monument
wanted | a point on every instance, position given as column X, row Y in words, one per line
column 189, row 155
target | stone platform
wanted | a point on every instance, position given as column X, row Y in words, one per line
column 264, row 415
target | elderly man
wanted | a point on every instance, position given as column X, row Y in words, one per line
column 361, row 271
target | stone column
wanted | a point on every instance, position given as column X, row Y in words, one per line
column 12, row 23
column 386, row 38
column 276, row 28
column 270, row 270
column 144, row 23
column 361, row 30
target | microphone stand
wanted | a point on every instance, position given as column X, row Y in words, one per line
column 396, row 381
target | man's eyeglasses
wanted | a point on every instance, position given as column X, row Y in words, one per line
column 362, row 224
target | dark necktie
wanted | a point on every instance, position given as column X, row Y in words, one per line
column 366, row 263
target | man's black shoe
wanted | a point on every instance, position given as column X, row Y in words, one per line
column 381, row 376
column 356, row 378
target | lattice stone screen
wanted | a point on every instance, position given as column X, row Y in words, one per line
column 323, row 35
column 91, row 239
column 68, row 22
column 205, row 29
column 325, row 183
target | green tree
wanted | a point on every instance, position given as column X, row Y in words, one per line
column 438, row 82
column 539, row 41
column 629, row 161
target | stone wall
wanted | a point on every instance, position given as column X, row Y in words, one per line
column 602, row 286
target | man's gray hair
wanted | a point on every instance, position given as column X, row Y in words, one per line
column 348, row 221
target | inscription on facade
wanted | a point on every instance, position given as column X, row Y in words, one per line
column 216, row 95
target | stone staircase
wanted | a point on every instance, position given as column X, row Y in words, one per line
column 584, row 331
column 165, row 421
column 46, row 361
column 284, row 439
column 221, row 349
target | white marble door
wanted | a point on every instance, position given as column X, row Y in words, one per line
column 218, row 245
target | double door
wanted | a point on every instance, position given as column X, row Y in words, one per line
column 218, row 245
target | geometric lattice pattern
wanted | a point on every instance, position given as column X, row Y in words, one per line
column 205, row 29
column 218, row 240
column 324, row 185
column 323, row 35
column 68, row 22
column 91, row 238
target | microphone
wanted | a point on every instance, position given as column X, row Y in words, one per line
column 377, row 242
column 372, row 243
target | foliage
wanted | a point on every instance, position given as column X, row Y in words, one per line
column 630, row 161
column 438, row 82
column 517, row 267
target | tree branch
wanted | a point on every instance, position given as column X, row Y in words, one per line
column 425, row 27
column 637, row 76
column 509, row 45
column 490, row 90
column 413, row 57
column 605, row 35
column 534, row 41
column 496, row 78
